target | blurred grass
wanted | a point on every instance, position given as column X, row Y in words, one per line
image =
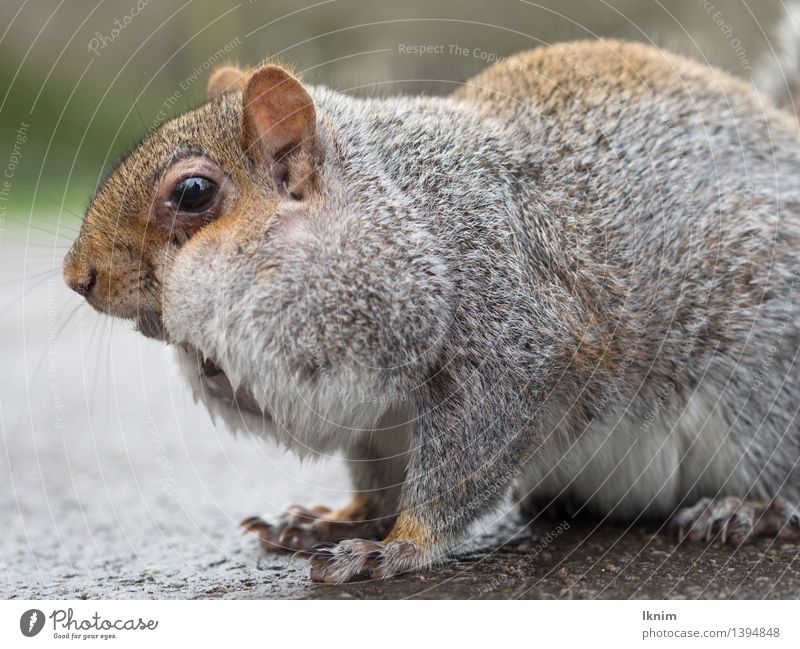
column 85, row 108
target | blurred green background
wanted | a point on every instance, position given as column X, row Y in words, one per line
column 81, row 81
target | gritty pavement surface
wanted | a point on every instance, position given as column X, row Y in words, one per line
column 113, row 484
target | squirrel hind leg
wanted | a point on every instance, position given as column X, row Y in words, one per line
column 734, row 521
column 300, row 529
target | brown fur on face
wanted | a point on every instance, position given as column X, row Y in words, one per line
column 118, row 260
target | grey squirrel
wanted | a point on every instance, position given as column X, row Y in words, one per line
column 574, row 280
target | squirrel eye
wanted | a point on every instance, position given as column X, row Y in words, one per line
column 195, row 194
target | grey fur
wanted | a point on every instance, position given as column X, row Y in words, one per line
column 543, row 290
column 575, row 278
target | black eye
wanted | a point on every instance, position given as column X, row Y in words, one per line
column 195, row 194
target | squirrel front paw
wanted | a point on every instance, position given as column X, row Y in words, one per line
column 355, row 559
column 299, row 529
column 408, row 547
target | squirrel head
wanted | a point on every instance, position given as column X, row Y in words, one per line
column 251, row 145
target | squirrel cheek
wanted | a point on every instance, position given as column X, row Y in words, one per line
column 292, row 228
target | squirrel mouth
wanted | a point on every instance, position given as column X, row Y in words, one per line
column 150, row 324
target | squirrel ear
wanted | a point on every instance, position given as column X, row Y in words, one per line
column 225, row 79
column 278, row 116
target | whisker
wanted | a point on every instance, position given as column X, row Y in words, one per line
column 49, row 271
column 25, row 292
column 63, row 208
column 31, row 256
column 99, row 325
column 30, row 225
column 56, row 334
column 28, row 244
column 71, row 213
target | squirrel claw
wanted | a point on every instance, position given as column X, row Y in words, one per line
column 727, row 520
column 291, row 531
column 733, row 521
column 358, row 559
column 299, row 529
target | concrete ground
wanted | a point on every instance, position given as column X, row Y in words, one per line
column 113, row 484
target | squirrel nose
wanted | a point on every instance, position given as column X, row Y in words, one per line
column 82, row 283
